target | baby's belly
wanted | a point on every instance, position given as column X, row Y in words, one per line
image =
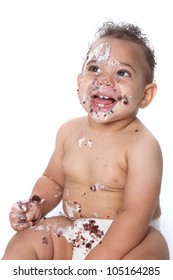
column 92, row 201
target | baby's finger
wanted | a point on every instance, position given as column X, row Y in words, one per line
column 33, row 216
column 21, row 207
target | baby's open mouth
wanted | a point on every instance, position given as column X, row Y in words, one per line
column 102, row 103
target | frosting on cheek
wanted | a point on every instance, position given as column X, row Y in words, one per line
column 103, row 111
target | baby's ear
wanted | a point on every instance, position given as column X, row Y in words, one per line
column 149, row 93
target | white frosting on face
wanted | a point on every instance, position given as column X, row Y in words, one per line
column 100, row 54
column 102, row 116
column 104, row 82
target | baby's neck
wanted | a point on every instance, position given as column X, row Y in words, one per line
column 109, row 128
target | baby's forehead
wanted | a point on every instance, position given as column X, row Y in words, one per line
column 99, row 52
column 97, row 42
column 115, row 51
column 113, row 47
column 103, row 51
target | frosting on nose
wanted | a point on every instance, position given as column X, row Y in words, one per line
column 105, row 81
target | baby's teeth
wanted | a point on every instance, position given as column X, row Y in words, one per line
column 103, row 97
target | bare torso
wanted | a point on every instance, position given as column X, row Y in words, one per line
column 95, row 168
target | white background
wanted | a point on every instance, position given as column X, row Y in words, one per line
column 42, row 46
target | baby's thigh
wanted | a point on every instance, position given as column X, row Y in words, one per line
column 153, row 247
column 44, row 241
column 50, row 242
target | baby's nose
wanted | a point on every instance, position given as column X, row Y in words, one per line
column 106, row 81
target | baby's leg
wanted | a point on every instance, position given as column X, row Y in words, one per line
column 42, row 242
column 153, row 247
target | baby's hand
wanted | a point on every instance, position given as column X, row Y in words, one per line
column 25, row 213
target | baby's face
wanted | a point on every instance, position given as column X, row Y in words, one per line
column 112, row 81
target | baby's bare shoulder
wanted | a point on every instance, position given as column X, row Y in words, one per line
column 70, row 126
column 142, row 139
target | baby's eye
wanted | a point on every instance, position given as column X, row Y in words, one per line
column 94, row 68
column 123, row 73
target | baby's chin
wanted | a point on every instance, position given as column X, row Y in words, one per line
column 101, row 117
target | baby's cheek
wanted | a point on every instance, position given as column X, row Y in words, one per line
column 83, row 99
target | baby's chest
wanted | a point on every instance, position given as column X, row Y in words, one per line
column 88, row 162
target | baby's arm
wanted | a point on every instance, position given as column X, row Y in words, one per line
column 142, row 191
column 46, row 194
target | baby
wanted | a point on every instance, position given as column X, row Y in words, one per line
column 106, row 167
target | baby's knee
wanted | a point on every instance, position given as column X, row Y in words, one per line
column 52, row 241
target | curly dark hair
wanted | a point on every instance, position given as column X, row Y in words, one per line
column 132, row 33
